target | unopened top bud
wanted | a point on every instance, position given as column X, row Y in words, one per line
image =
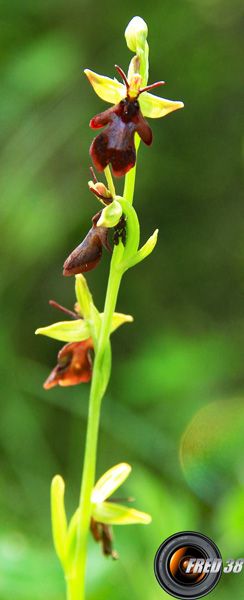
column 136, row 34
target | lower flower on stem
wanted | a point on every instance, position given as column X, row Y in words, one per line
column 105, row 512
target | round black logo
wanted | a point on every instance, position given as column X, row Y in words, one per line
column 188, row 565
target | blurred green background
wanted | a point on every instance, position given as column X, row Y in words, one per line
column 175, row 404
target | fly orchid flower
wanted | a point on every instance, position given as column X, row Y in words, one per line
column 74, row 360
column 107, row 512
column 88, row 254
column 116, row 144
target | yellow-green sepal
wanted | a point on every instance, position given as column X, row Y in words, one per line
column 119, row 319
column 79, row 330
column 106, row 88
column 156, row 107
column 116, row 514
column 66, row 331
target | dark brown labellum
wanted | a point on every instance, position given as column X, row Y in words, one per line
column 115, row 144
column 74, row 365
column 88, row 254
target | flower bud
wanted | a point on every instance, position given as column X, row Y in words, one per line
column 136, row 34
column 100, row 190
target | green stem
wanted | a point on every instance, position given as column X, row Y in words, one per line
column 131, row 177
column 77, row 589
column 76, row 584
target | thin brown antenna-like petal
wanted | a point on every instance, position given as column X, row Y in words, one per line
column 123, row 76
column 63, row 309
column 150, row 87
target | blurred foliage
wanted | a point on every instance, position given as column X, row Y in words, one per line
column 177, row 389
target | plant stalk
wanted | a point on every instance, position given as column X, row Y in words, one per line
column 76, row 584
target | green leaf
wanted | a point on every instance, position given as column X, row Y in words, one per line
column 142, row 253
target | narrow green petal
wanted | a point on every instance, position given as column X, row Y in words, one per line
column 110, row 215
column 66, row 331
column 154, row 106
column 116, row 514
column 108, row 89
column 109, row 482
column 59, row 521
